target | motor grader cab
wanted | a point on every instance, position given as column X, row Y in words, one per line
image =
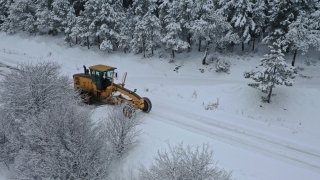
column 96, row 84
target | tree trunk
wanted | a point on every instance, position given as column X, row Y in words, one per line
column 206, row 54
column 270, row 92
column 232, row 46
column 98, row 41
column 88, row 42
column 269, row 95
column 189, row 41
column 152, row 50
column 152, row 41
column 242, row 43
column 242, row 48
column 199, row 48
column 172, row 54
column 294, row 57
column 253, row 41
column 144, row 50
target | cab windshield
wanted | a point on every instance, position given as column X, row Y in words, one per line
column 108, row 75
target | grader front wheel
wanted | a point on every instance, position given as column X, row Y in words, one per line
column 147, row 105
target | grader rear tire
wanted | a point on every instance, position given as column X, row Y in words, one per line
column 129, row 111
column 87, row 97
column 147, row 105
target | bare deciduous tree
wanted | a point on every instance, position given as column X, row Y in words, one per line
column 62, row 143
column 47, row 135
column 25, row 92
column 192, row 163
column 10, row 144
column 121, row 132
column 33, row 87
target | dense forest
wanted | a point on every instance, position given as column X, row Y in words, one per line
column 144, row 25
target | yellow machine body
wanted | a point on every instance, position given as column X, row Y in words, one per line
column 97, row 83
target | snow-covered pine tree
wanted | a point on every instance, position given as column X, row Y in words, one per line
column 139, row 10
column 78, row 6
column 259, row 18
column 138, row 42
column 302, row 34
column 125, row 35
column 154, row 31
column 4, row 9
column 199, row 10
column 172, row 40
column 111, row 17
column 91, row 18
column 170, row 11
column 178, row 11
column 163, row 11
column 274, row 71
column 79, row 31
column 279, row 17
column 97, row 24
column 297, row 36
column 213, row 27
column 315, row 26
column 141, row 7
column 240, row 17
column 146, row 34
column 106, row 29
column 63, row 16
column 281, row 14
column 127, row 3
column 21, row 17
column 187, row 16
column 68, row 23
column 43, row 15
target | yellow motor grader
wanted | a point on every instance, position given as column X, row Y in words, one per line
column 97, row 84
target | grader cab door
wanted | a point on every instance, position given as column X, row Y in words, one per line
column 102, row 79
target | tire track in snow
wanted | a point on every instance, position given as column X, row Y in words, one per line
column 5, row 59
column 4, row 65
column 238, row 136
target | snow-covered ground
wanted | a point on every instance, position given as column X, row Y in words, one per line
column 255, row 140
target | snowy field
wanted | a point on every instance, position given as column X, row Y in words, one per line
column 257, row 141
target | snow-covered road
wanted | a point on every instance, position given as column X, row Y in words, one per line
column 6, row 63
column 275, row 141
column 250, row 138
